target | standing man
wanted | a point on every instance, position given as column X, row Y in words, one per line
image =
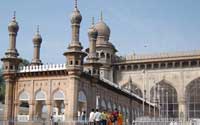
column 92, row 117
column 97, row 116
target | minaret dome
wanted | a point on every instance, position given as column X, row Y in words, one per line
column 76, row 17
column 92, row 32
column 13, row 25
column 103, row 29
column 37, row 37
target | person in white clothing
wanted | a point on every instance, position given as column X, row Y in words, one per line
column 92, row 117
column 97, row 116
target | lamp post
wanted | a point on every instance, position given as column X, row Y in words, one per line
column 144, row 100
column 167, row 105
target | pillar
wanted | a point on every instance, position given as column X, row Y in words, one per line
column 31, row 110
column 182, row 108
column 73, row 97
column 49, row 108
column 8, row 111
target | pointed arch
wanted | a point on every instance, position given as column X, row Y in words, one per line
column 193, row 99
column 103, row 104
column 119, row 108
column 109, row 106
column 132, row 86
column 114, row 106
column 24, row 96
column 40, row 95
column 58, row 95
column 166, row 95
column 82, row 97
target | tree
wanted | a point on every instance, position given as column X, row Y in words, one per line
column 24, row 62
column 2, row 87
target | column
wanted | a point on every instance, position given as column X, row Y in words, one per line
column 66, row 109
column 8, row 100
column 182, row 108
column 73, row 98
column 49, row 108
column 16, row 110
column 31, row 110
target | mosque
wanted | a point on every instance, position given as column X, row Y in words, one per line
column 164, row 84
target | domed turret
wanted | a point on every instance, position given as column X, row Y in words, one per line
column 92, row 32
column 37, row 39
column 103, row 29
column 76, row 17
column 13, row 25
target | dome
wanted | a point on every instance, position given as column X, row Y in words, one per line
column 13, row 26
column 92, row 32
column 37, row 38
column 103, row 30
column 76, row 16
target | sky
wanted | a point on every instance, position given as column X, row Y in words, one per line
column 160, row 25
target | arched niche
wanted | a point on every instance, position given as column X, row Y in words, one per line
column 192, row 98
column 103, row 104
column 24, row 96
column 59, row 95
column 82, row 102
column 40, row 95
column 166, row 95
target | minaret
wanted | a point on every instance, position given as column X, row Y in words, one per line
column 13, row 29
column 10, row 67
column 74, row 54
column 37, row 40
column 74, row 66
column 92, row 65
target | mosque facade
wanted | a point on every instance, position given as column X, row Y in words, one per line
column 137, row 85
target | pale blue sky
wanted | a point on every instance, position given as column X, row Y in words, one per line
column 164, row 25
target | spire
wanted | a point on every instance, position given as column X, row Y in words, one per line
column 101, row 18
column 76, row 4
column 38, row 29
column 14, row 15
column 92, row 21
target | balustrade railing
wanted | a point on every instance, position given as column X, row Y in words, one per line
column 48, row 67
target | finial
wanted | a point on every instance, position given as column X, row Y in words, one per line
column 101, row 18
column 38, row 29
column 76, row 3
column 92, row 20
column 14, row 15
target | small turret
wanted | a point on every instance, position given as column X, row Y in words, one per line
column 37, row 40
column 92, row 65
column 10, row 68
column 74, row 54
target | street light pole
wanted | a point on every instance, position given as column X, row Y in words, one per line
column 167, row 106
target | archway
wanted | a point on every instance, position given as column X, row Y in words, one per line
column 103, row 104
column 23, row 111
column 193, row 99
column 132, row 87
column 109, row 107
column 58, row 105
column 82, row 105
column 166, row 96
column 41, row 109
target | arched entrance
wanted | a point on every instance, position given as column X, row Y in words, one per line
column 40, row 109
column 109, row 107
column 193, row 99
column 58, row 105
column 23, row 111
column 82, row 105
column 166, row 96
column 103, row 104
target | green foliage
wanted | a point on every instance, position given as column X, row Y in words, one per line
column 24, row 62
column 2, row 87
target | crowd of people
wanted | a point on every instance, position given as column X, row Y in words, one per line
column 105, row 118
